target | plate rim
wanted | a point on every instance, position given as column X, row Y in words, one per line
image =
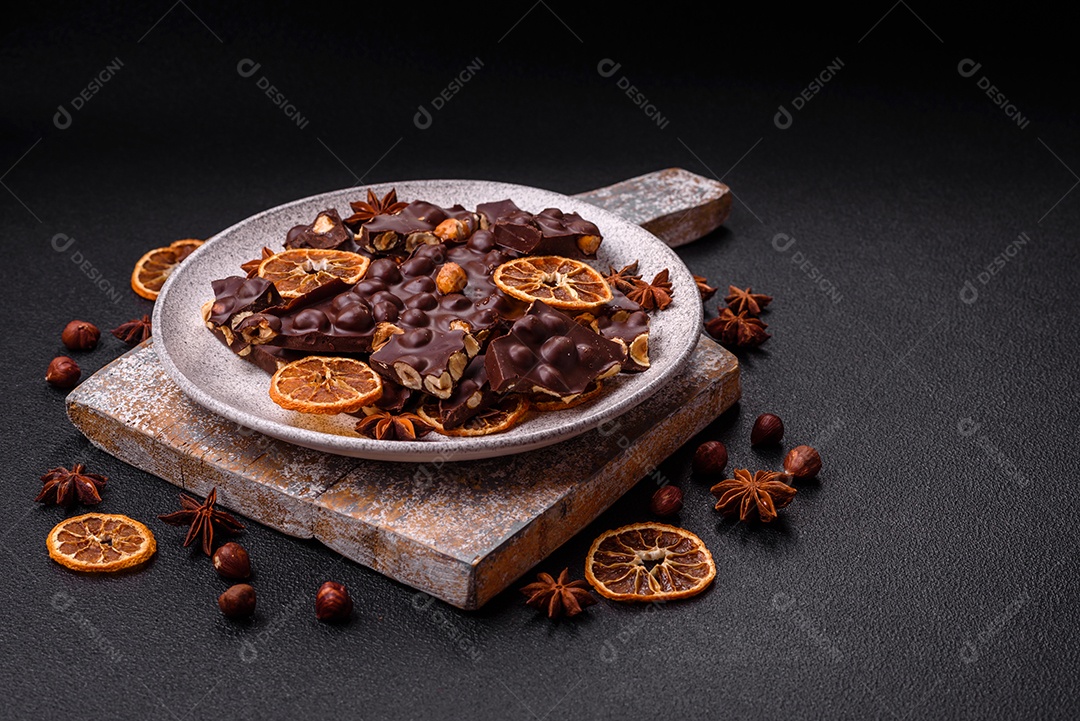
column 459, row 448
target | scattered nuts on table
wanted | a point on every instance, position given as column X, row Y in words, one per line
column 238, row 601
column 667, row 501
column 710, row 459
column 332, row 602
column 63, row 372
column 802, row 462
column 232, row 561
column 80, row 335
column 768, row 429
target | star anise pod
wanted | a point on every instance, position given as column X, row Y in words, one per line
column 652, row 296
column 385, row 426
column 623, row 280
column 739, row 331
column 134, row 331
column 741, row 301
column 706, row 290
column 558, row 598
column 202, row 518
column 363, row 212
column 62, row 486
column 746, row 495
column 252, row 266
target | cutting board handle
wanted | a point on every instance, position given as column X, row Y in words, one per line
column 674, row 204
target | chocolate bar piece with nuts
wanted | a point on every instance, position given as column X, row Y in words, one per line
column 327, row 232
column 549, row 232
column 471, row 395
column 418, row 223
column 631, row 331
column 424, row 359
column 237, row 298
column 547, row 352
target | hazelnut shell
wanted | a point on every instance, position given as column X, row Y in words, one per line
column 332, row 602
column 63, row 372
column 238, row 601
column 232, row 561
column 667, row 501
column 710, row 458
column 80, row 335
column 768, row 429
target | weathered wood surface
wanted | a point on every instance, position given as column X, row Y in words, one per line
column 674, row 204
column 460, row 531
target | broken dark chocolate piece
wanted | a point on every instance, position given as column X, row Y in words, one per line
column 415, row 225
column 327, row 232
column 547, row 352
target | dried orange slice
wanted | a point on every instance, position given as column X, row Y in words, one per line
column 551, row 403
column 560, row 282
column 502, row 416
column 153, row 269
column 299, row 271
column 649, row 562
column 100, row 542
column 325, row 385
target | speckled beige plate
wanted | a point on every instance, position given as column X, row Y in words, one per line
column 215, row 378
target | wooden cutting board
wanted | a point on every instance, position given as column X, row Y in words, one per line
column 460, row 531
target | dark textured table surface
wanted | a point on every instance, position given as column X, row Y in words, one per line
column 915, row 236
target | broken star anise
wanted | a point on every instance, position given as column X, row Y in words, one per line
column 561, row 597
column 384, row 426
column 252, row 266
column 655, row 295
column 706, row 290
column 623, row 280
column 202, row 518
column 134, row 331
column 746, row 495
column 740, row 300
column 62, row 486
column 737, row 330
column 363, row 212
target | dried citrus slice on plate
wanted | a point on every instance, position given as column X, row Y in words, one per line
column 559, row 282
column 649, row 562
column 153, row 269
column 502, row 416
column 297, row 272
column 325, row 385
column 100, row 542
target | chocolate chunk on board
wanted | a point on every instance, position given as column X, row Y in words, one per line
column 547, row 352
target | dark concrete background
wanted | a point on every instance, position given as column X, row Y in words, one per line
column 931, row 573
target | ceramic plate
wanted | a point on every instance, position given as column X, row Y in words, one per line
column 212, row 376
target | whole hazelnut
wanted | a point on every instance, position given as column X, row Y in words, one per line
column 802, row 462
column 238, row 601
column 710, row 458
column 80, row 335
column 63, row 372
column 231, row 561
column 332, row 602
column 451, row 278
column 768, row 429
column 667, row 501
